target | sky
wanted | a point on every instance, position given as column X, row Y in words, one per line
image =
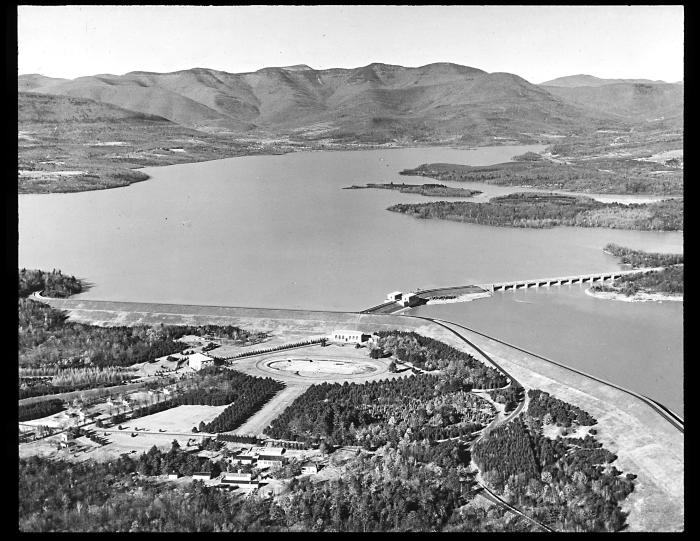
column 536, row 42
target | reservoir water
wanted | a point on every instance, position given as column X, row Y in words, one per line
column 278, row 231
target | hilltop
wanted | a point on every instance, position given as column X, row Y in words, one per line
column 632, row 100
column 589, row 80
column 377, row 102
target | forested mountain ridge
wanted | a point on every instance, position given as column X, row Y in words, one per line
column 374, row 102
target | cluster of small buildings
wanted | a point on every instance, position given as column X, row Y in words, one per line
column 246, row 480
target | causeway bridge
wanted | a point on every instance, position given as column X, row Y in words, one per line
column 564, row 280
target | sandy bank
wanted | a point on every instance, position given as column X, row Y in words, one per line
column 637, row 297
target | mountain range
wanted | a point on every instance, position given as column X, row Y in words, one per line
column 377, row 102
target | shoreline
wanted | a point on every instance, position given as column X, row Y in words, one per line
column 342, row 147
column 637, row 297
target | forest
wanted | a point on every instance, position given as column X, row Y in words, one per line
column 431, row 190
column 47, row 338
column 542, row 406
column 543, row 210
column 639, row 258
column 569, row 483
column 394, row 491
column 666, row 281
column 592, row 175
column 37, row 410
column 53, row 284
column 374, row 413
column 428, row 354
column 69, row 379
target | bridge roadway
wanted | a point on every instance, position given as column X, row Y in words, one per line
column 562, row 280
column 391, row 307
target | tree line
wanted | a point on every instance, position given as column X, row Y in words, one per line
column 639, row 258
column 461, row 369
column 567, row 483
column 53, row 284
column 593, row 176
column 37, row 410
column 542, row 405
column 47, row 338
column 374, row 413
column 392, row 491
column 540, row 210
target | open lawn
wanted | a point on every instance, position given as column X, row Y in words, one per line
column 178, row 419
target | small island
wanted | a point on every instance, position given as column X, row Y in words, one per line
column 663, row 285
column 429, row 190
column 543, row 210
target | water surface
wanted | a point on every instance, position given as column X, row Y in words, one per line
column 636, row 345
column 278, row 231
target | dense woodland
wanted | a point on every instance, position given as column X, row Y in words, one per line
column 639, row 258
column 431, row 190
column 541, row 210
column 70, row 379
column 47, row 338
column 53, row 284
column 430, row 354
column 27, row 412
column 374, row 413
column 510, row 397
column 666, row 281
column 398, row 490
column 597, row 175
column 545, row 407
column 567, row 483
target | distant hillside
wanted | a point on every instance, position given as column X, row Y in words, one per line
column 589, row 80
column 628, row 101
column 68, row 144
column 378, row 102
column 45, row 108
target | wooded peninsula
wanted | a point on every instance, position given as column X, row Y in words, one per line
column 430, row 190
column 541, row 210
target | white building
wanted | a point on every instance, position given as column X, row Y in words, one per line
column 199, row 361
column 394, row 296
column 309, row 468
column 349, row 337
column 201, row 476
